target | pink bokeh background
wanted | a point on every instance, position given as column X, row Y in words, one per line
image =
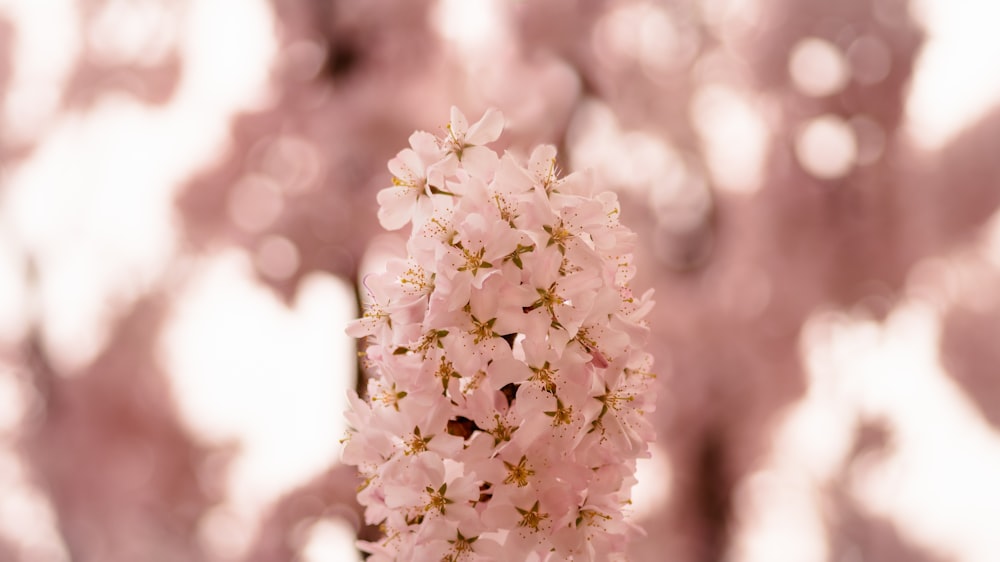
column 187, row 202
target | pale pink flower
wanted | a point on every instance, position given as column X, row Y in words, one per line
column 466, row 142
column 417, row 173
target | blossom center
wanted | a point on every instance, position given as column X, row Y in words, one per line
column 562, row 415
column 415, row 443
column 502, row 431
column 518, row 473
column 411, row 182
column 436, row 499
column 544, row 375
column 531, row 518
column 473, row 261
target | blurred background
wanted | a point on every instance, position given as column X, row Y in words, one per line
column 187, row 197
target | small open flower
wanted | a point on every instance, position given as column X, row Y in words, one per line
column 509, row 389
column 417, row 173
column 466, row 142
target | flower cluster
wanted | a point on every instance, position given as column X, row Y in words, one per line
column 509, row 386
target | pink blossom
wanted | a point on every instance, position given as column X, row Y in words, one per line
column 509, row 389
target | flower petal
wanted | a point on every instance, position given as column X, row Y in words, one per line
column 458, row 123
column 396, row 207
column 487, row 129
column 480, row 162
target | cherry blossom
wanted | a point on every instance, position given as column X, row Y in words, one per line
column 509, row 390
column 417, row 173
column 466, row 142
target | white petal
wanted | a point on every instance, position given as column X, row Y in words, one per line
column 487, row 129
column 458, row 123
column 424, row 143
column 480, row 162
column 541, row 162
column 407, row 165
column 396, row 207
column 510, row 177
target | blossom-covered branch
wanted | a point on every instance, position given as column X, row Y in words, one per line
column 509, row 390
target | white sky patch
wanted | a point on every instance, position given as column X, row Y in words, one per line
column 779, row 507
column 953, row 82
column 93, row 204
column 734, row 136
column 93, row 209
column 643, row 163
column 646, row 34
column 826, row 147
column 779, row 519
column 44, row 48
column 730, row 19
column 328, row 540
column 29, row 523
column 633, row 160
column 654, row 482
column 936, row 480
column 247, row 368
column 938, row 484
column 474, row 27
column 228, row 48
column 134, row 32
column 817, row 67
